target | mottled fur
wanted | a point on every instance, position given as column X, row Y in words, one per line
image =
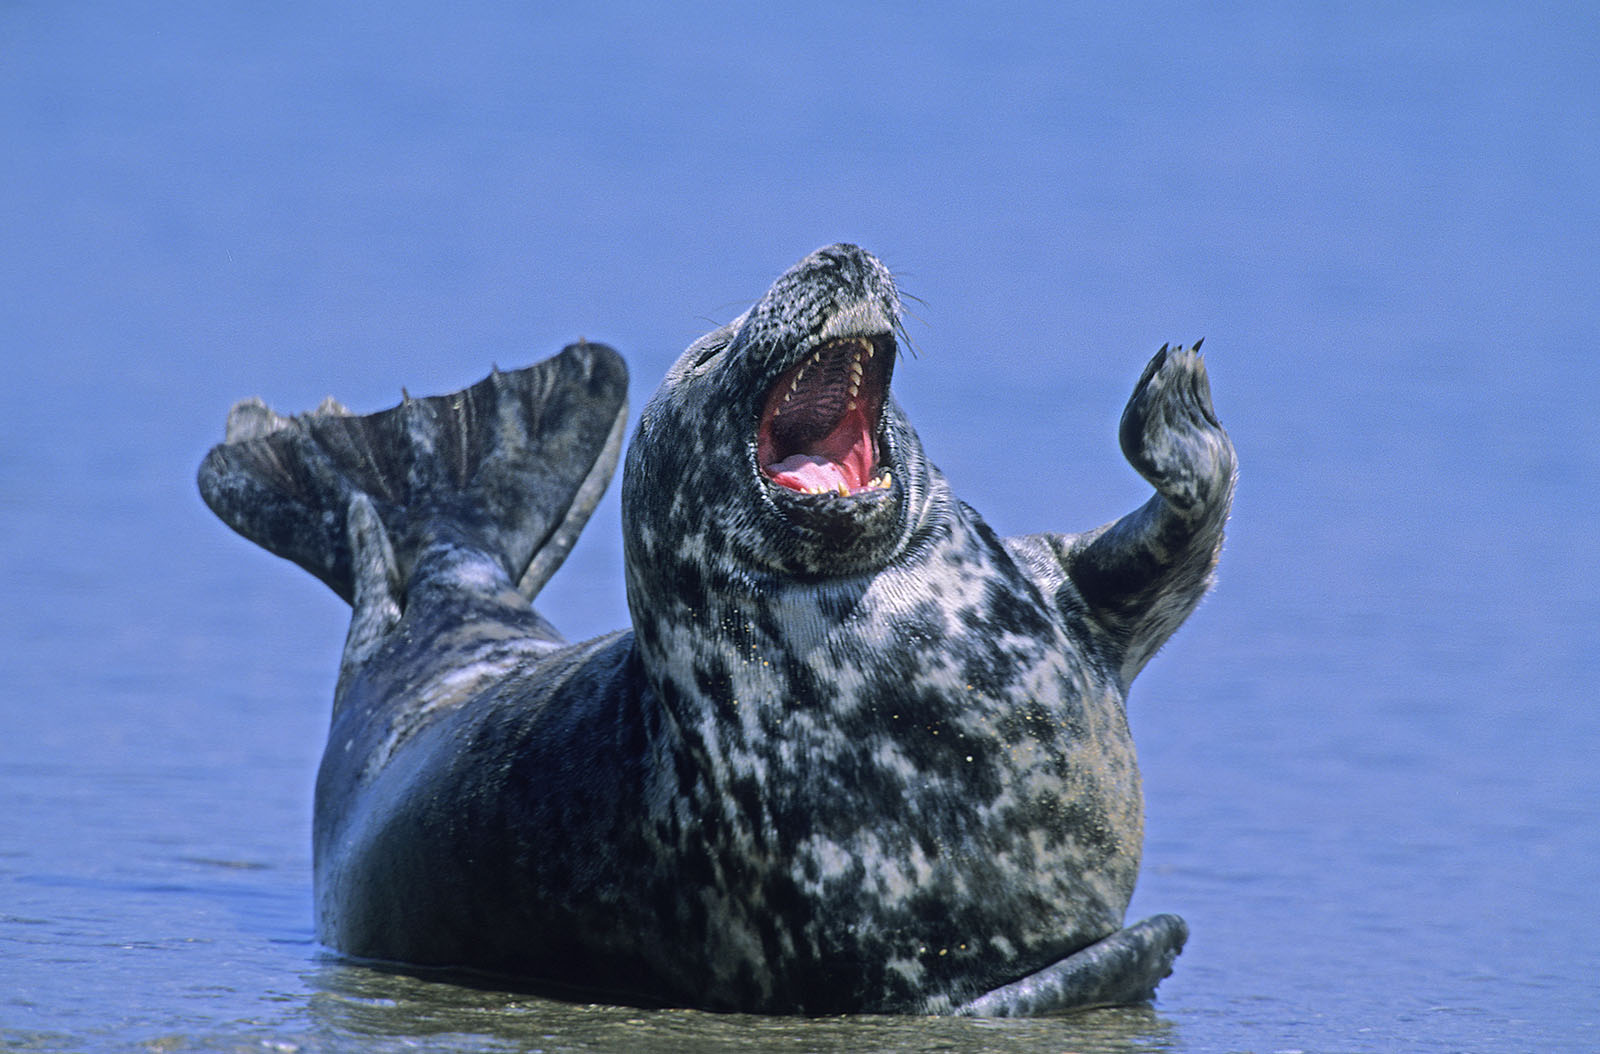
column 857, row 753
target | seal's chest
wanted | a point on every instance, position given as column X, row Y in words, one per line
column 912, row 709
column 950, row 668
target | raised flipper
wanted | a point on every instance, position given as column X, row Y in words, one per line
column 1141, row 576
column 513, row 466
column 1114, row 971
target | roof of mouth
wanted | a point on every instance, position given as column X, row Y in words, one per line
column 818, row 428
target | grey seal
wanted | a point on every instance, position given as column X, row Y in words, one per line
column 856, row 753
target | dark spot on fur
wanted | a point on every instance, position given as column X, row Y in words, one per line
column 648, row 633
column 838, row 603
column 1028, row 720
column 1015, row 607
column 746, row 792
column 689, row 585
column 922, row 626
column 711, row 678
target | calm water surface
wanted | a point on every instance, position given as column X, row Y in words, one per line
column 1369, row 759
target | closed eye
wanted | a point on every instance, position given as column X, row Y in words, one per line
column 713, row 348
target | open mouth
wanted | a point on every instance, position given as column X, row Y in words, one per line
column 819, row 426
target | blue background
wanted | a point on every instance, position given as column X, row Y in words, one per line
column 1369, row 758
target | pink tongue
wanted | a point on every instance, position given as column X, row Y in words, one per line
column 805, row 472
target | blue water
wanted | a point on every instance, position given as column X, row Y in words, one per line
column 1369, row 758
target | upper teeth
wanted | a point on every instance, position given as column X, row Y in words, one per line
column 863, row 351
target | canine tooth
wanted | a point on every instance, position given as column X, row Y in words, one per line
column 844, row 491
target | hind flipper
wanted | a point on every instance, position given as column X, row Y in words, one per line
column 514, row 463
column 376, row 586
column 1117, row 970
column 271, row 481
column 553, row 552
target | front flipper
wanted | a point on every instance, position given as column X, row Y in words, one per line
column 1171, row 434
column 1141, row 576
column 1114, row 971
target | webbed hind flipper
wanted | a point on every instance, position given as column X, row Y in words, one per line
column 1117, row 970
column 516, row 464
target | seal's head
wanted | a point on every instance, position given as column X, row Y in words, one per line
column 774, row 443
